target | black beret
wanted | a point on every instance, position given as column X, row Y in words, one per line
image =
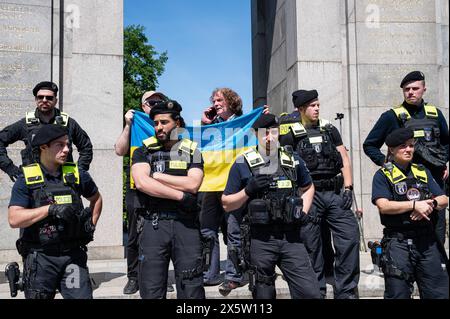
column 266, row 121
column 399, row 136
column 45, row 86
column 412, row 76
column 48, row 133
column 166, row 107
column 302, row 97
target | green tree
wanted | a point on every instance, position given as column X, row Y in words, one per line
column 142, row 66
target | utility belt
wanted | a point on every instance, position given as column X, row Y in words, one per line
column 24, row 248
column 149, row 215
column 408, row 233
column 332, row 184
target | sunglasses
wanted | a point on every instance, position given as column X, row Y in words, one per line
column 47, row 97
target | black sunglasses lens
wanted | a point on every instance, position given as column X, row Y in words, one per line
column 153, row 103
column 48, row 98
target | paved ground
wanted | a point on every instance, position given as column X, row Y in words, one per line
column 109, row 277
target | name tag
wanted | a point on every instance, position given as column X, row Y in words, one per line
column 63, row 199
column 419, row 133
column 284, row 184
column 177, row 165
column 316, row 140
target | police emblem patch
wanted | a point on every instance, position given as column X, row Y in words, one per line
column 318, row 147
column 401, row 188
column 413, row 194
column 159, row 166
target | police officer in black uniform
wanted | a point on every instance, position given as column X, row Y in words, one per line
column 319, row 144
column 273, row 188
column 45, row 94
column 167, row 173
column 430, row 131
column 408, row 198
column 46, row 204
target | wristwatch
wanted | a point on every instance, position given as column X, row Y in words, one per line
column 350, row 187
column 435, row 203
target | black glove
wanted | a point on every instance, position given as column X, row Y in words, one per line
column 63, row 212
column 347, row 199
column 189, row 203
column 13, row 171
column 257, row 184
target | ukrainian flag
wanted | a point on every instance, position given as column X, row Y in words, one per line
column 220, row 144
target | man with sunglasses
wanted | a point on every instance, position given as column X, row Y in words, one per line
column 45, row 94
column 408, row 199
column 122, row 147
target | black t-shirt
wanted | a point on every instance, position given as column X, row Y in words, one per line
column 22, row 195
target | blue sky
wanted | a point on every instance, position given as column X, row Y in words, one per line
column 208, row 44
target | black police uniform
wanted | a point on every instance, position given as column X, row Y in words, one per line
column 169, row 232
column 317, row 147
column 410, row 248
column 274, row 227
column 431, row 133
column 54, row 252
column 25, row 128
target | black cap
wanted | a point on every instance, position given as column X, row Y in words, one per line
column 399, row 136
column 48, row 133
column 411, row 77
column 165, row 107
column 266, row 121
column 302, row 97
column 45, row 86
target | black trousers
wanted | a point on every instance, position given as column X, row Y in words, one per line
column 180, row 241
column 133, row 240
column 344, row 229
column 282, row 248
column 421, row 260
column 68, row 273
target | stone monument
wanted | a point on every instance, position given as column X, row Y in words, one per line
column 78, row 45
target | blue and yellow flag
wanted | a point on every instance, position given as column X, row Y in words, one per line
column 220, row 144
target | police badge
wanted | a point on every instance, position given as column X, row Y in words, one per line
column 413, row 194
column 318, row 148
column 159, row 167
column 401, row 188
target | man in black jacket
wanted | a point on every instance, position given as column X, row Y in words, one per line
column 45, row 94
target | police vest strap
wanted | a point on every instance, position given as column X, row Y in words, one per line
column 68, row 170
column 152, row 144
column 430, row 112
column 297, row 129
column 283, row 114
column 187, row 146
column 33, row 175
column 31, row 119
column 323, row 124
column 396, row 175
column 253, row 158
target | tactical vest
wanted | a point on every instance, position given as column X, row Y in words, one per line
column 411, row 187
column 51, row 231
column 33, row 124
column 316, row 147
column 429, row 150
column 283, row 187
column 161, row 161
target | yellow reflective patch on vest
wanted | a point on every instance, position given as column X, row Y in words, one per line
column 284, row 184
column 65, row 118
column 431, row 111
column 298, row 129
column 419, row 173
column 286, row 160
column 33, row 174
column 396, row 176
column 316, row 140
column 419, row 133
column 399, row 110
column 323, row 123
column 63, row 199
column 177, row 165
column 152, row 143
column 253, row 158
column 284, row 129
column 71, row 168
column 188, row 146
